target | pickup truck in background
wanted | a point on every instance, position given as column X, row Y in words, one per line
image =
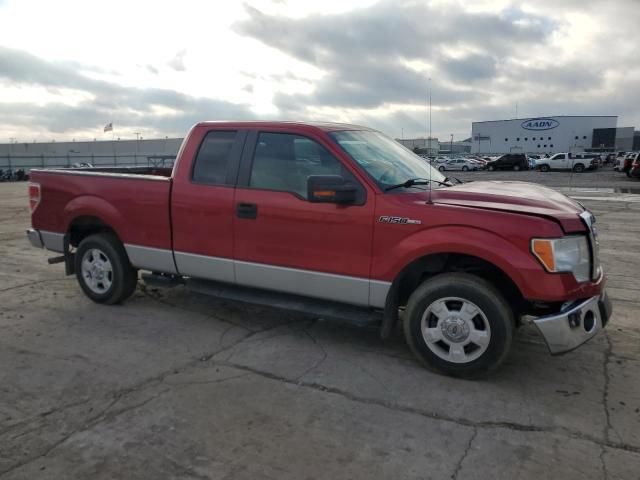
column 337, row 221
column 577, row 162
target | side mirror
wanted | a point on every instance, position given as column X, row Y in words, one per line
column 330, row 189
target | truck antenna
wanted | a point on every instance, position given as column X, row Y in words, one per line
column 430, row 201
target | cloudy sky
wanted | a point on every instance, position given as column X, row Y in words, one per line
column 68, row 67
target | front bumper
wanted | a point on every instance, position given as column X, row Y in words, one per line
column 569, row 329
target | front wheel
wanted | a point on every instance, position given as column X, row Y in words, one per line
column 103, row 269
column 491, row 168
column 465, row 168
column 459, row 324
column 516, row 167
column 578, row 168
column 441, row 168
column 544, row 168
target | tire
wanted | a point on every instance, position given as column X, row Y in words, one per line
column 103, row 269
column 578, row 168
column 544, row 168
column 516, row 168
column 491, row 168
column 441, row 168
column 629, row 173
column 465, row 168
column 493, row 323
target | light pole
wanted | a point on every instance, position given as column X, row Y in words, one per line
column 429, row 115
column 137, row 141
column 451, row 144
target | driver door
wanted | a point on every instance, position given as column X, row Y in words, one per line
column 284, row 242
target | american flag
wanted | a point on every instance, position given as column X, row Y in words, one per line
column 108, row 127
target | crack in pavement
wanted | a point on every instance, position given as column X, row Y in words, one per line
column 519, row 427
column 456, row 472
column 92, row 422
column 120, row 394
column 317, row 344
column 605, row 473
column 608, row 428
column 35, row 282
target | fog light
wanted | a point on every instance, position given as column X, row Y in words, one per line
column 574, row 320
column 589, row 321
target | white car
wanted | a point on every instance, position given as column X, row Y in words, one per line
column 459, row 164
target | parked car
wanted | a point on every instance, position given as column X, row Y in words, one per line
column 459, row 164
column 509, row 161
column 566, row 161
column 627, row 162
column 634, row 171
column 334, row 221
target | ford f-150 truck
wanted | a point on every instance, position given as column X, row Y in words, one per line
column 339, row 221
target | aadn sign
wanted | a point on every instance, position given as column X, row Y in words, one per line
column 539, row 124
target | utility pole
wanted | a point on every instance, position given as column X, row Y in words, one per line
column 429, row 115
column 451, row 144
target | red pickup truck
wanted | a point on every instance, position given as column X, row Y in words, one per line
column 339, row 221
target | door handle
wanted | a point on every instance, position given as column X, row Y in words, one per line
column 247, row 210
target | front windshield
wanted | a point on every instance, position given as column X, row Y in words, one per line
column 384, row 159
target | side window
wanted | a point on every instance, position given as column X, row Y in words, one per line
column 212, row 159
column 284, row 161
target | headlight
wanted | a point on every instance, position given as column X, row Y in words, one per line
column 567, row 254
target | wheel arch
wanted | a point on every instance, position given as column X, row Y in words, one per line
column 429, row 265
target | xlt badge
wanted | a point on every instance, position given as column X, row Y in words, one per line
column 402, row 220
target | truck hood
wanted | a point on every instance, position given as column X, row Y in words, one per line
column 516, row 197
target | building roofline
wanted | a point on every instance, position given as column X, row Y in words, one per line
column 547, row 116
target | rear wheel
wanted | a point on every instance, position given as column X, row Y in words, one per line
column 441, row 168
column 491, row 168
column 459, row 324
column 465, row 168
column 103, row 269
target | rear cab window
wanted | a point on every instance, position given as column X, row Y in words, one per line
column 213, row 160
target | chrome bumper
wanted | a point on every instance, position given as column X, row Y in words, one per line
column 571, row 328
column 50, row 240
column 34, row 238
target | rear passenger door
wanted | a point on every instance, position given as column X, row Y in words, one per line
column 284, row 242
column 202, row 206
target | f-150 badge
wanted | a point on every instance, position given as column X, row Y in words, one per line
column 402, row 220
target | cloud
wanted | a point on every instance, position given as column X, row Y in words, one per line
column 125, row 106
column 364, row 53
column 376, row 60
column 177, row 62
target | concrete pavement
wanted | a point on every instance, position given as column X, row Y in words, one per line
column 173, row 384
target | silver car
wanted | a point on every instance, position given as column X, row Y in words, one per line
column 459, row 164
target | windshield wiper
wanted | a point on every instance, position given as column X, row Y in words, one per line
column 415, row 181
column 448, row 179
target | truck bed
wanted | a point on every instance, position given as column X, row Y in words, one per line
column 133, row 201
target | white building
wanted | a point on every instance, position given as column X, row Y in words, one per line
column 431, row 146
column 563, row 133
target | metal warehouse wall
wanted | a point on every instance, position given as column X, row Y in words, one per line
column 99, row 153
column 537, row 135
